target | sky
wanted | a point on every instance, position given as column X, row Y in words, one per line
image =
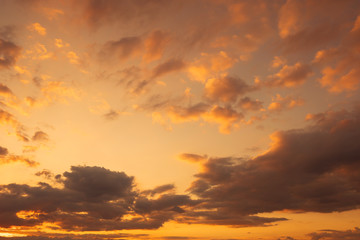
column 179, row 119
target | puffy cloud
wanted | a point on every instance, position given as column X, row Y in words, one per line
column 308, row 25
column 226, row 117
column 226, row 89
column 210, row 66
column 289, row 76
column 9, row 53
column 278, row 62
column 340, row 72
column 247, row 104
column 37, row 28
column 281, row 103
column 92, row 198
column 314, row 169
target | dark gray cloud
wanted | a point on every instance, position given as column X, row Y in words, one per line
column 353, row 234
column 92, row 198
column 9, row 53
column 313, row 169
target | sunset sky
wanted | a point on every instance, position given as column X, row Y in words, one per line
column 180, row 119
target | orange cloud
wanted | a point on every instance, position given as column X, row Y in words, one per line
column 190, row 157
column 6, row 157
column 210, row 65
column 60, row 43
column 37, row 28
column 155, row 45
column 290, row 76
column 281, row 103
column 341, row 72
column 226, row 89
column 278, row 62
column 226, row 117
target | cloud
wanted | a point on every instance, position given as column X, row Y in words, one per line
column 279, row 103
column 3, row 151
column 92, row 198
column 122, row 49
column 8, row 118
column 353, row 234
column 159, row 189
column 226, row 89
column 171, row 65
column 315, row 169
column 5, row 91
column 226, row 117
column 37, row 28
column 9, row 53
column 289, row 76
column 112, row 115
column 210, row 66
column 247, row 104
column 40, row 136
column 183, row 114
column 6, row 157
column 192, row 157
column 7, row 32
column 340, row 72
column 308, row 25
column 155, row 45
column 53, row 92
column 278, row 62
